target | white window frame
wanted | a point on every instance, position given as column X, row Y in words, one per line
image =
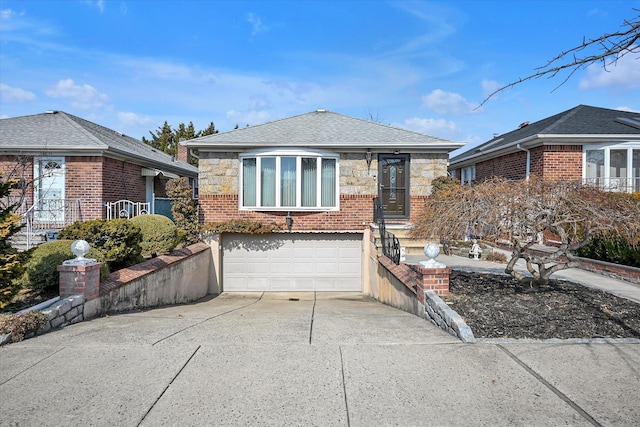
column 608, row 183
column 298, row 154
column 467, row 174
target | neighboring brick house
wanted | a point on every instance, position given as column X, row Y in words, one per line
column 597, row 145
column 318, row 172
column 74, row 162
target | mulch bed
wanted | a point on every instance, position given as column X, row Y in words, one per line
column 498, row 306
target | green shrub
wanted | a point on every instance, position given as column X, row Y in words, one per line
column 117, row 239
column 611, row 249
column 159, row 234
column 41, row 269
column 241, row 226
column 443, row 183
column 19, row 325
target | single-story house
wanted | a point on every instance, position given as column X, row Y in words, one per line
column 71, row 167
column 597, row 145
column 317, row 175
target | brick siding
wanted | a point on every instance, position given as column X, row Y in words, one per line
column 354, row 211
column 555, row 162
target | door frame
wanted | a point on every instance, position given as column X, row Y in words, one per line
column 407, row 193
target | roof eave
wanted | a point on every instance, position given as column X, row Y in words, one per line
column 145, row 162
column 537, row 140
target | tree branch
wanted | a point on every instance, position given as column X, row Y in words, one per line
column 611, row 46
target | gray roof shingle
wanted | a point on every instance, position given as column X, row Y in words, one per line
column 323, row 129
column 583, row 120
column 59, row 132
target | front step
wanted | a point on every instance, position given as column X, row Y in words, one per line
column 19, row 240
column 401, row 231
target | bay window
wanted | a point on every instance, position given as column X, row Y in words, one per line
column 289, row 180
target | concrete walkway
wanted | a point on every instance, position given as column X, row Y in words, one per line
column 307, row 359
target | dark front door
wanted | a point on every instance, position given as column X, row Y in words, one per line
column 394, row 185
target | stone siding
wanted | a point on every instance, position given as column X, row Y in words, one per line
column 424, row 169
column 219, row 173
column 355, row 176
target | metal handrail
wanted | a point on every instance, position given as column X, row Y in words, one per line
column 390, row 243
column 49, row 214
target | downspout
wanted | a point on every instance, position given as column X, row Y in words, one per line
column 528, row 168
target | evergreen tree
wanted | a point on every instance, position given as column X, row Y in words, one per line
column 11, row 260
column 210, row 130
column 164, row 139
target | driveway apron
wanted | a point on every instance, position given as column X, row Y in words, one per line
column 306, row 359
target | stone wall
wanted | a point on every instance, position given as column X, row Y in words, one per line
column 424, row 169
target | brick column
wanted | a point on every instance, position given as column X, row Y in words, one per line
column 435, row 279
column 80, row 279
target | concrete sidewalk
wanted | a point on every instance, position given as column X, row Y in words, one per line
column 617, row 287
column 307, row 359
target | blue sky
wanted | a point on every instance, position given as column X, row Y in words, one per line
column 420, row 65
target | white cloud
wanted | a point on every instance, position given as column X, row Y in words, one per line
column 628, row 109
column 447, row 103
column 132, row 119
column 244, row 118
column 99, row 4
column 625, row 74
column 256, row 24
column 81, row 96
column 15, row 94
column 430, row 126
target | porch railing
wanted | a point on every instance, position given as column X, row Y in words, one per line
column 50, row 214
column 621, row 185
column 390, row 243
column 127, row 209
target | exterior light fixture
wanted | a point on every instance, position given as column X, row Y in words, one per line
column 289, row 219
column 368, row 157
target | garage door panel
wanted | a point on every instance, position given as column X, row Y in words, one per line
column 313, row 262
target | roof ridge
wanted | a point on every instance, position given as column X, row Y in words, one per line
column 564, row 116
column 71, row 119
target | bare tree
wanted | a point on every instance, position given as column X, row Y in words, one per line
column 605, row 50
column 519, row 212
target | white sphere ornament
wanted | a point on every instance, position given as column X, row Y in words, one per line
column 432, row 250
column 80, row 248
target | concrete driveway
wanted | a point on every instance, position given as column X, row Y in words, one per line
column 306, row 359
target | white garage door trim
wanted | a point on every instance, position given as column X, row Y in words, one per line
column 292, row 262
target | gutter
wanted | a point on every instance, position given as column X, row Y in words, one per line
column 528, row 167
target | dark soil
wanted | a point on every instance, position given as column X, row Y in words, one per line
column 27, row 298
column 498, row 306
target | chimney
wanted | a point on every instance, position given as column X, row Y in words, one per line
column 183, row 151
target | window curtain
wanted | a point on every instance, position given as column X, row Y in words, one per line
column 249, row 182
column 309, row 182
column 328, row 183
column 268, row 178
column 287, row 181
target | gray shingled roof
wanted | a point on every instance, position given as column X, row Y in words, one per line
column 323, row 129
column 581, row 122
column 62, row 133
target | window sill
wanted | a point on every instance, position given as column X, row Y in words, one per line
column 289, row 209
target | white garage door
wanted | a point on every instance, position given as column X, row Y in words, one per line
column 292, row 262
